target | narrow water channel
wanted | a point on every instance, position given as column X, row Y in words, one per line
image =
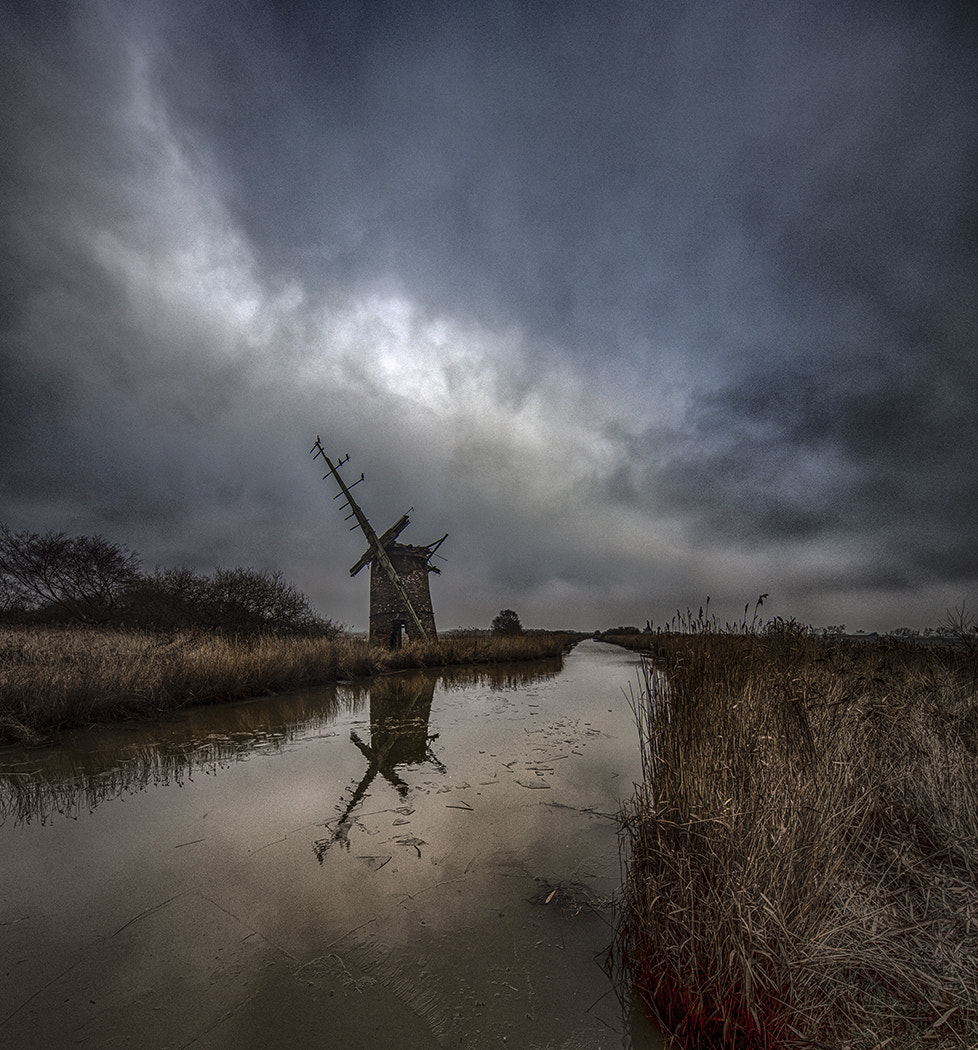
column 424, row 863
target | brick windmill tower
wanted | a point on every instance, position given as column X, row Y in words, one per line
column 400, row 597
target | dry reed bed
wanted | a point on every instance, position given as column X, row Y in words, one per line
column 55, row 678
column 804, row 847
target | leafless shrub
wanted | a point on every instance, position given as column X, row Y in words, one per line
column 232, row 601
column 959, row 625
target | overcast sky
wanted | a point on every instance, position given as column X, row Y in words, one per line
column 639, row 302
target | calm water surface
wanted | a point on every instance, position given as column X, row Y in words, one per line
column 426, row 862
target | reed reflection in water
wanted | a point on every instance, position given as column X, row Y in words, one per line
column 89, row 767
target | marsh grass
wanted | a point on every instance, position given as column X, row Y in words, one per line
column 803, row 850
column 56, row 678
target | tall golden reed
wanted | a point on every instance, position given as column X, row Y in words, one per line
column 803, row 865
column 55, row 678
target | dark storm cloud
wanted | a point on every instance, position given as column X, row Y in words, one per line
column 597, row 175
column 657, row 296
column 878, row 450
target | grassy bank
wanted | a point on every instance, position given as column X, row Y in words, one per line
column 56, row 678
column 803, row 863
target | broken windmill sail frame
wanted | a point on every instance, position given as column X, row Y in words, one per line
column 376, row 545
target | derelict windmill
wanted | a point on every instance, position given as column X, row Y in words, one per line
column 400, row 597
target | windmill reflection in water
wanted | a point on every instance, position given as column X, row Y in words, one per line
column 400, row 710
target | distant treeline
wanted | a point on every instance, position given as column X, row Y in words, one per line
column 55, row 578
column 957, row 626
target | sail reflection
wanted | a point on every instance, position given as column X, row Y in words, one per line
column 400, row 735
column 400, row 714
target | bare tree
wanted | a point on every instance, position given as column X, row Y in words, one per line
column 11, row 604
column 81, row 577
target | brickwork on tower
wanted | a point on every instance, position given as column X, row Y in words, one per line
column 388, row 617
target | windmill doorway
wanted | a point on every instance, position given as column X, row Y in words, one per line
column 397, row 633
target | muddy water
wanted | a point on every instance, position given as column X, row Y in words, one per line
column 424, row 863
